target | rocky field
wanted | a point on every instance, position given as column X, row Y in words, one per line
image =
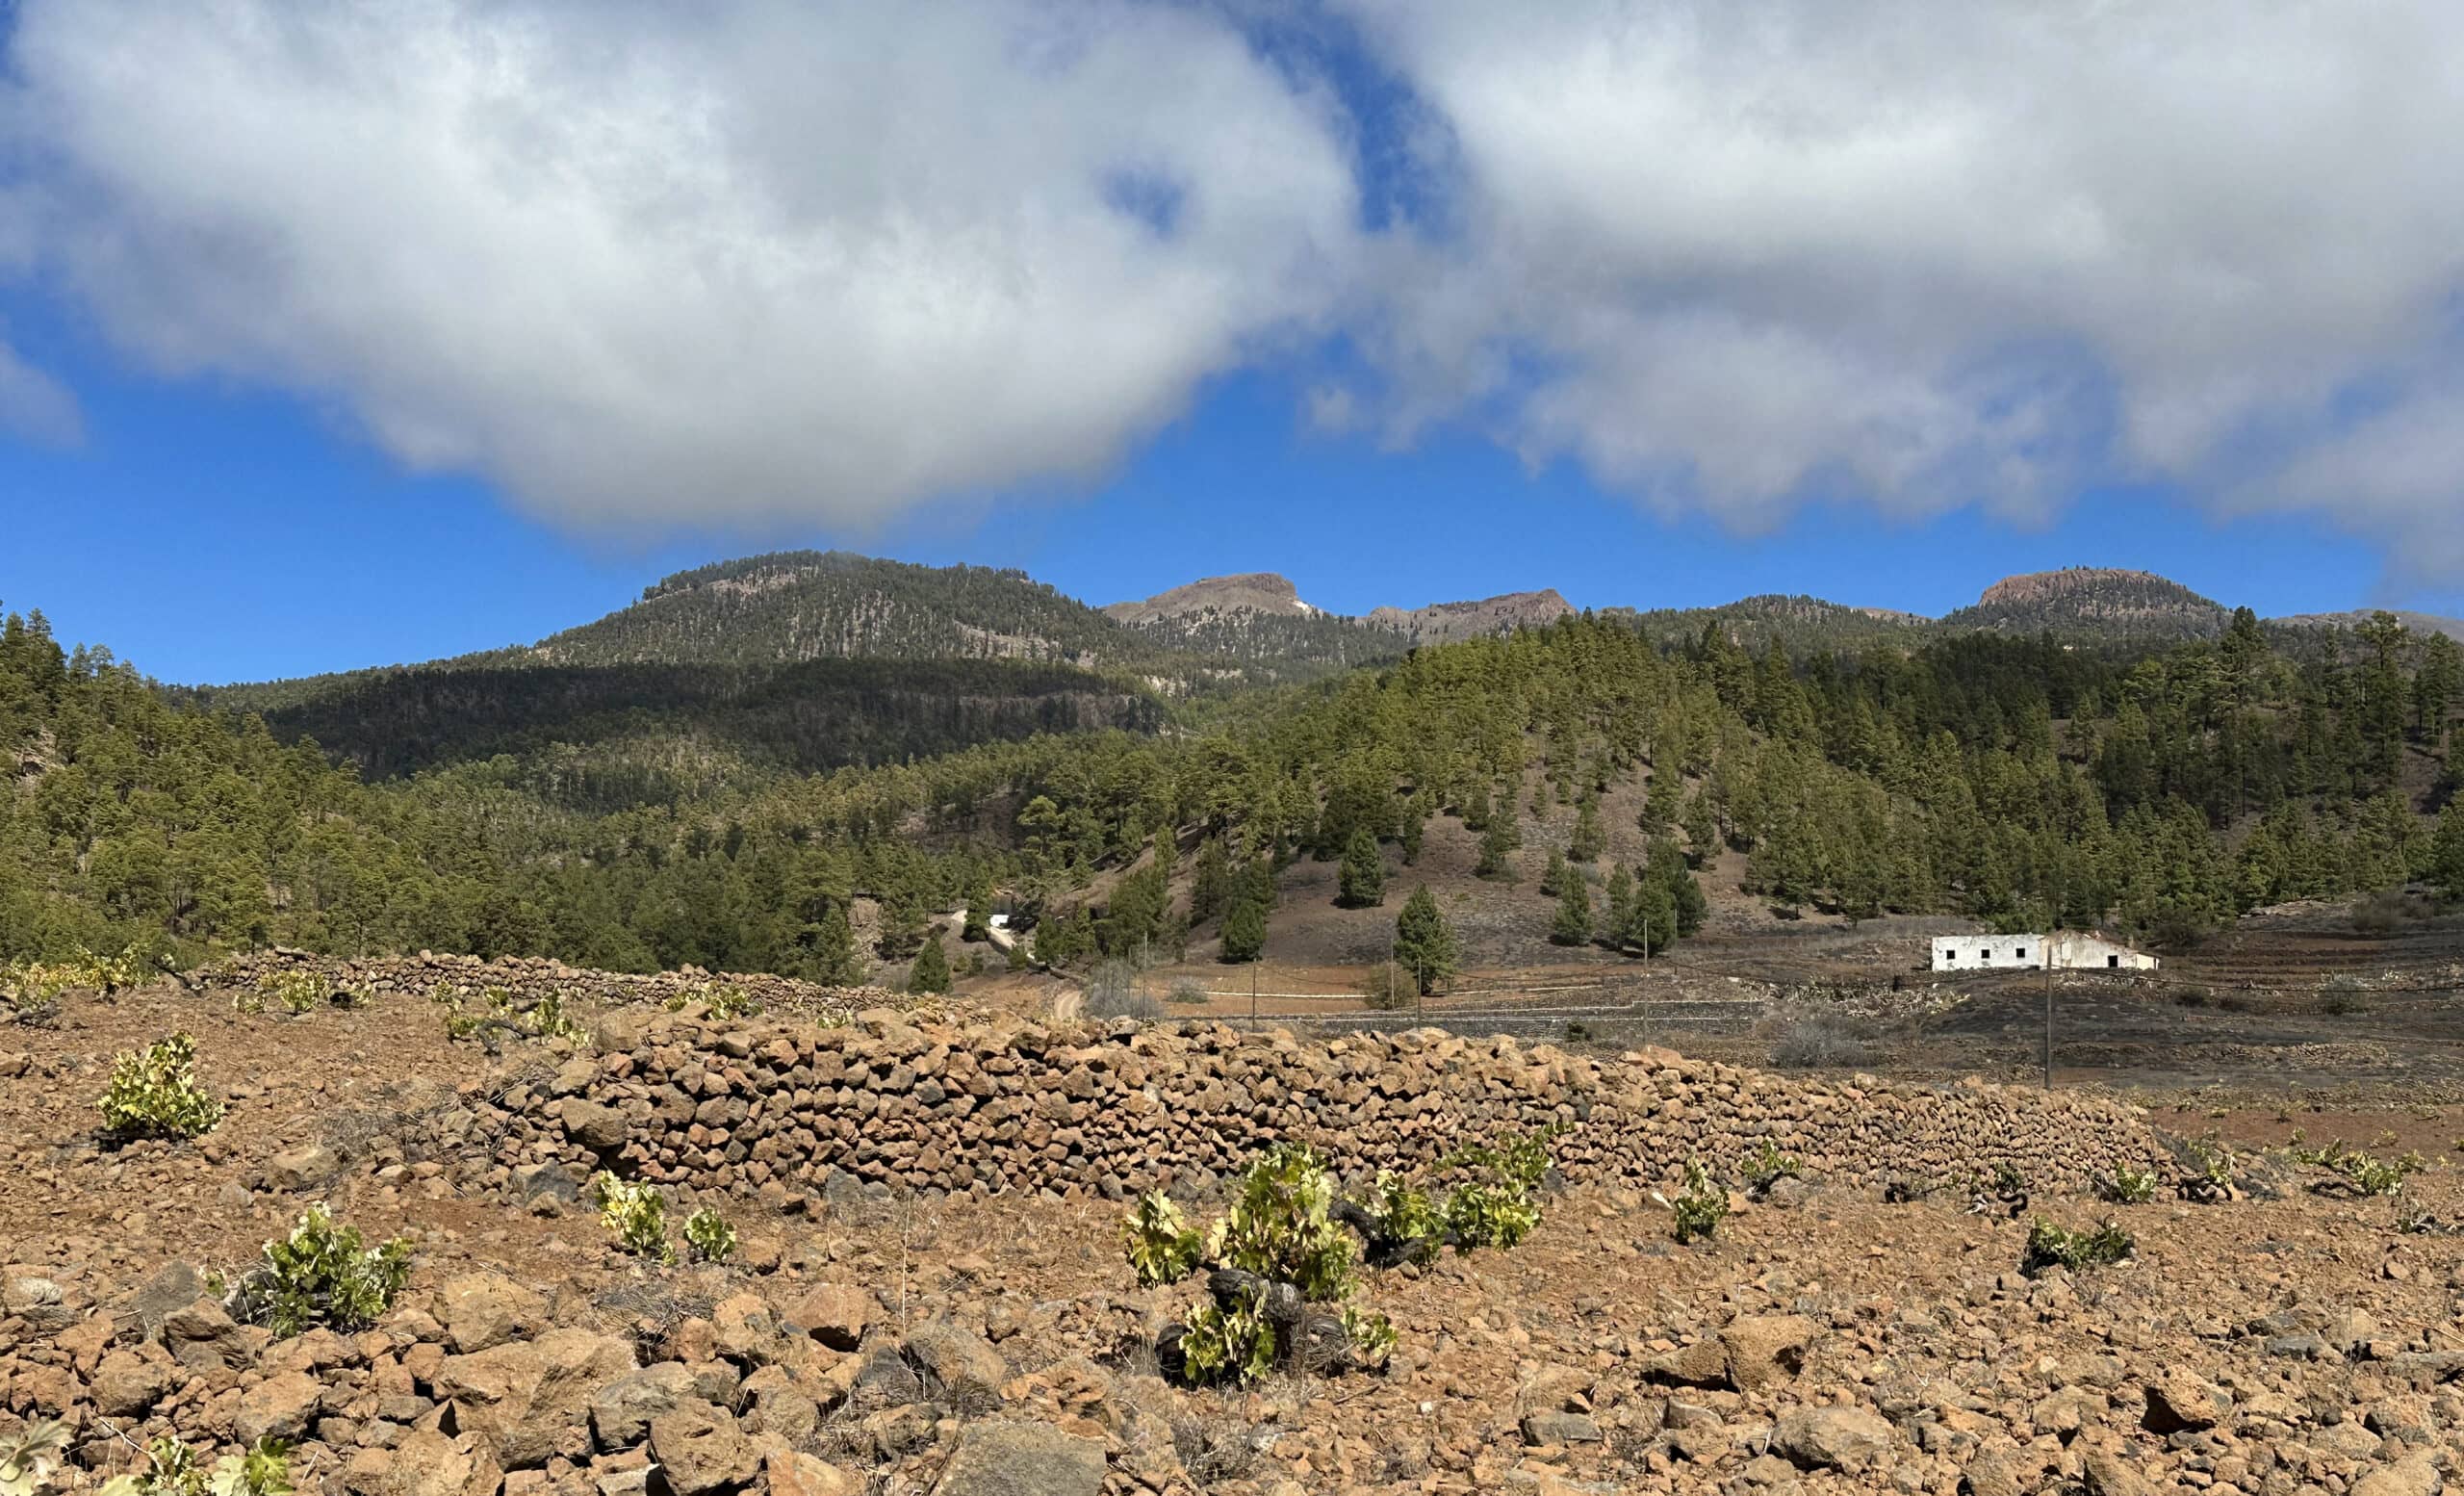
column 929, row 1292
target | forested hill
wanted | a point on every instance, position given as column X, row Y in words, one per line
column 796, row 606
column 650, row 733
column 2095, row 603
column 2010, row 779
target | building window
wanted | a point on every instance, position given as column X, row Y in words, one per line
column 2021, row 953
column 1985, row 955
column 2113, row 961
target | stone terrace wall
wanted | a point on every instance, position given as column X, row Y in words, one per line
column 887, row 1106
column 529, row 977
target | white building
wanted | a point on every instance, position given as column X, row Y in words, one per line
column 2070, row 950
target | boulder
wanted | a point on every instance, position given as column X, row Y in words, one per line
column 2110, row 1470
column 2182, row 1400
column 778, row 1410
column 201, row 1336
column 1703, row 1364
column 482, row 1310
column 1560, row 1427
column 279, row 1408
column 602, row 1129
column 311, row 1166
column 2412, row 1475
column 176, row 1287
column 699, row 1450
column 533, row 1399
column 834, row 1315
column 1760, row 1350
column 1850, row 1439
column 791, row 1474
column 129, row 1382
column 1022, row 1459
column 621, row 1413
column 426, row 1464
column 955, row 1365
column 745, row 1330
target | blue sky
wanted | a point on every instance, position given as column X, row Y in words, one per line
column 333, row 336
column 208, row 533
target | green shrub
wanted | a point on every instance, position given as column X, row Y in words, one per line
column 2380, row 1176
column 494, row 1011
column 154, row 1093
column 263, row 1471
column 1499, row 1207
column 322, row 1274
column 1230, row 1342
column 31, row 1456
column 725, row 1002
column 1160, row 1247
column 1282, row 1235
column 2128, row 1186
column 1400, row 1221
column 295, row 991
column 1701, row 1206
column 635, row 1215
column 1767, row 1167
column 171, row 1469
column 2050, row 1246
column 709, row 1234
column 1281, row 1225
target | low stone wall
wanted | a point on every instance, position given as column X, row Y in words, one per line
column 889, row 1106
column 530, row 977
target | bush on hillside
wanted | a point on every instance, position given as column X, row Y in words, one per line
column 153, row 1093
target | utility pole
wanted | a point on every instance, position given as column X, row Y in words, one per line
column 1253, row 997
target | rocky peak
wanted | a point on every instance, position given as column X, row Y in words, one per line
column 1249, row 592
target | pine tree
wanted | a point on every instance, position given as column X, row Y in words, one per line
column 1244, row 931
column 1414, row 824
column 1652, row 923
column 1362, row 880
column 979, row 910
column 931, row 973
column 1476, row 810
column 1588, row 840
column 831, row 958
column 1553, row 874
column 1702, row 828
column 1210, row 881
column 2447, row 850
column 1617, row 907
column 1497, row 850
column 1574, row 912
column 904, row 924
column 1425, row 942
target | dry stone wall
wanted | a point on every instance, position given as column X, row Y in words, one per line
column 889, row 1106
column 526, row 978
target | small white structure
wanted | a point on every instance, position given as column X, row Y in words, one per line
column 2068, row 950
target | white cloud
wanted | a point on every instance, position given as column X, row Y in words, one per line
column 1935, row 251
column 753, row 258
column 34, row 405
column 738, row 260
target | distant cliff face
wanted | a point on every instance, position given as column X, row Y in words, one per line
column 1251, row 592
column 1441, row 622
column 2095, row 602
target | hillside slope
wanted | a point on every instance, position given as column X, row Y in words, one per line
column 2099, row 603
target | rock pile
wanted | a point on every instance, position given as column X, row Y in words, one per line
column 468, row 1390
column 890, row 1106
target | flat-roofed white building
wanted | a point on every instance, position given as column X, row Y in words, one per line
column 2068, row 950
